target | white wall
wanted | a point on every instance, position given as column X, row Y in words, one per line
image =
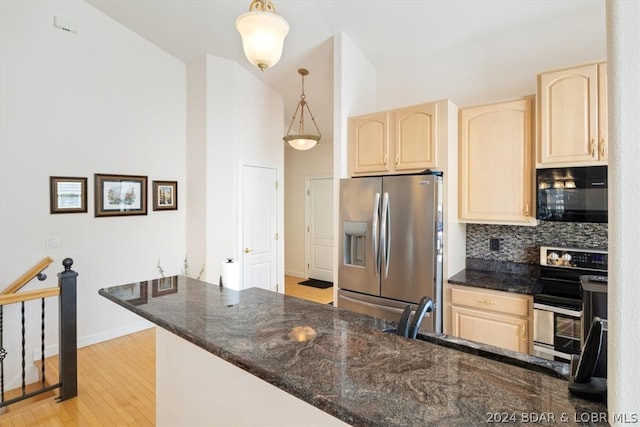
column 197, row 167
column 234, row 119
column 102, row 100
column 623, row 19
column 498, row 67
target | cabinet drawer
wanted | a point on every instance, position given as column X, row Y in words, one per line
column 490, row 328
column 501, row 302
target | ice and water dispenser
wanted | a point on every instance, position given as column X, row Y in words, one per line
column 355, row 236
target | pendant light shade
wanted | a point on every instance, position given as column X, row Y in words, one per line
column 263, row 33
column 301, row 140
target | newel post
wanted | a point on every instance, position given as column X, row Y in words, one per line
column 68, row 357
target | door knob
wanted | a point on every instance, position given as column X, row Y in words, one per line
column 247, row 250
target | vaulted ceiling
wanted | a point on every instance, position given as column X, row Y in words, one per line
column 385, row 31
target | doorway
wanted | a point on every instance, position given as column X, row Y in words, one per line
column 259, row 227
column 319, row 227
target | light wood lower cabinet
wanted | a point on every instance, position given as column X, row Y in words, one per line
column 501, row 319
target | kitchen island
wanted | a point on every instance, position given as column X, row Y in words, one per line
column 345, row 364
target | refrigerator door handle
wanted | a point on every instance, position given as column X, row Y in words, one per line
column 375, row 225
column 385, row 232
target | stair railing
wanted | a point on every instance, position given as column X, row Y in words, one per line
column 35, row 271
column 67, row 317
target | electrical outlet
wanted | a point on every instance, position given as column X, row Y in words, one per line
column 494, row 244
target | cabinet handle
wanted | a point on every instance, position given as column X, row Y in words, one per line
column 484, row 301
column 385, row 161
column 526, row 210
column 524, row 333
column 603, row 146
column 592, row 147
column 397, row 159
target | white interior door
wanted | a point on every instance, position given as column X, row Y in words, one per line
column 319, row 226
column 259, row 227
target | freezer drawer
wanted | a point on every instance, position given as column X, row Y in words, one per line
column 381, row 308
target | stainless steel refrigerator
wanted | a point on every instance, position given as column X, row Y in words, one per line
column 391, row 245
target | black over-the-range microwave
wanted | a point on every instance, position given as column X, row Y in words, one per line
column 572, row 194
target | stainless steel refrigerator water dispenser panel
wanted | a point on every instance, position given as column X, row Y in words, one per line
column 355, row 239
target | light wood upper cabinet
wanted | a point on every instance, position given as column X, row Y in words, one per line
column 369, row 143
column 571, row 111
column 492, row 317
column 396, row 141
column 415, row 137
column 496, row 183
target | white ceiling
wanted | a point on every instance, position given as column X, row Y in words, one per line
column 385, row 31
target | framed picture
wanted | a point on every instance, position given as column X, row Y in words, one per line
column 165, row 195
column 67, row 194
column 117, row 195
column 164, row 286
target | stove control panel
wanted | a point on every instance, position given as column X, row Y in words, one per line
column 592, row 259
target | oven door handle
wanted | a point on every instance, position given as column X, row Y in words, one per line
column 551, row 352
column 559, row 310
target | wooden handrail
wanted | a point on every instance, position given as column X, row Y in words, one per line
column 29, row 295
column 26, row 277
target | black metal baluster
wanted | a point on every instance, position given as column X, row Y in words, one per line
column 42, row 346
column 24, row 385
column 3, row 353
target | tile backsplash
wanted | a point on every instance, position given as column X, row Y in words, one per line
column 520, row 244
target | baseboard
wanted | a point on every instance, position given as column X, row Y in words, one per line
column 32, row 372
column 96, row 338
column 295, row 273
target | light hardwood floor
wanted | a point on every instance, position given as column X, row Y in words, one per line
column 292, row 288
column 116, row 387
column 116, row 380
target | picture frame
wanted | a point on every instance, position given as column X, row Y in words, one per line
column 120, row 195
column 67, row 194
column 165, row 195
column 164, row 286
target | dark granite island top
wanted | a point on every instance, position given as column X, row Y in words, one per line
column 352, row 369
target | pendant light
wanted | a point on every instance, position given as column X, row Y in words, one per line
column 302, row 140
column 263, row 33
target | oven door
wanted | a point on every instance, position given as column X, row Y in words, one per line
column 556, row 332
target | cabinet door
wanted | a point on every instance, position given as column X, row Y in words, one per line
column 369, row 143
column 415, row 137
column 603, row 128
column 494, row 329
column 568, row 116
column 496, row 163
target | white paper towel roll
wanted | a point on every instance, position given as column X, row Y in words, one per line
column 230, row 274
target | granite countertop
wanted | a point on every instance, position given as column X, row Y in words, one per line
column 498, row 281
column 353, row 369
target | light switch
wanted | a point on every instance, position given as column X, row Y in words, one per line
column 53, row 242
